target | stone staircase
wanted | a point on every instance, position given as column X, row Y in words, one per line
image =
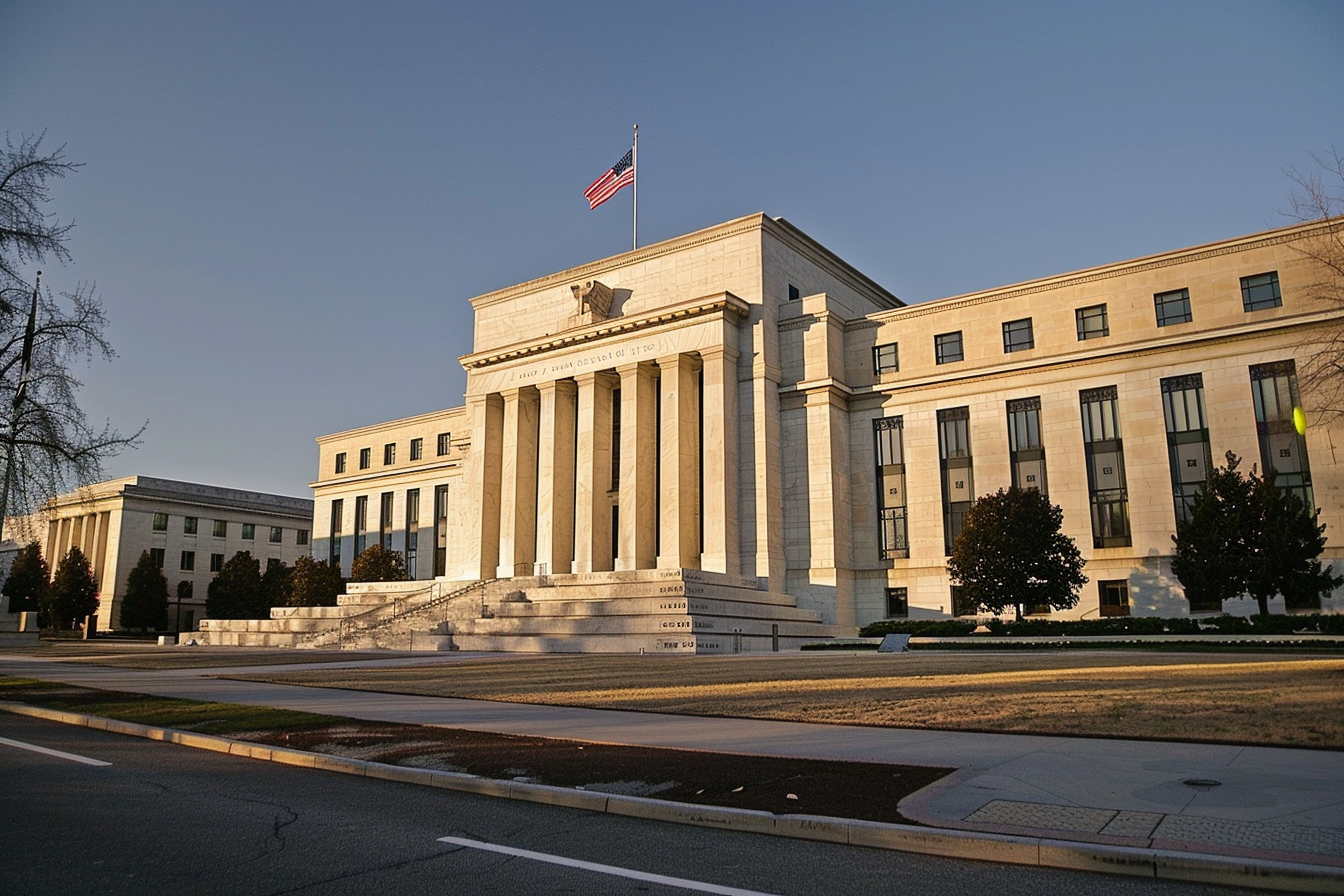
column 666, row 611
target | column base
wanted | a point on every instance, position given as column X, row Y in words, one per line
column 625, row 564
column 672, row 561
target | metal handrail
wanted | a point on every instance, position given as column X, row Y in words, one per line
column 352, row 626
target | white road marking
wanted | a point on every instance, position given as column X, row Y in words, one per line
column 695, row 885
column 57, row 753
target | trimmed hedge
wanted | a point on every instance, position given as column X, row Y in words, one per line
column 1318, row 623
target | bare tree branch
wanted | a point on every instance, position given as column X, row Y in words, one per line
column 1319, row 196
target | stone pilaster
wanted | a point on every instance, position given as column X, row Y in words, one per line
column 592, row 514
column 639, row 447
column 555, row 477
column 518, row 484
column 719, row 451
column 679, row 486
column 480, row 551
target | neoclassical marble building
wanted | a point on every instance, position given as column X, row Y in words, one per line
column 739, row 414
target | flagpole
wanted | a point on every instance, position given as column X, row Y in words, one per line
column 634, row 163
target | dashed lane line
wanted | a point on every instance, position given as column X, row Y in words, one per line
column 695, row 885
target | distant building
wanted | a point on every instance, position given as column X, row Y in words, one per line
column 741, row 403
column 190, row 530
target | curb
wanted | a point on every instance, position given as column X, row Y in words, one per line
column 1015, row 850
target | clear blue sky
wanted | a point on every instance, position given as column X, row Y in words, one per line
column 286, row 206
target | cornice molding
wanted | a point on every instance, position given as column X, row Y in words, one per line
column 725, row 304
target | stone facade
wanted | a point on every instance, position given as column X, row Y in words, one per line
column 193, row 527
column 728, row 402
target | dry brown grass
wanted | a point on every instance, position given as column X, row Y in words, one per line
column 1289, row 701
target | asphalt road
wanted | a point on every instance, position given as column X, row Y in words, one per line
column 168, row 819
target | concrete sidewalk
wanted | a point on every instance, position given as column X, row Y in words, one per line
column 1255, row 803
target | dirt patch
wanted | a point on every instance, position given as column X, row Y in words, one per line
column 861, row 790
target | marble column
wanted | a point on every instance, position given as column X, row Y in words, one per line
column 518, row 484
column 639, row 466
column 719, row 440
column 555, row 477
column 480, row 552
column 679, row 475
column 592, row 475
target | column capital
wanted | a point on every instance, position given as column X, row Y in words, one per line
column 719, row 352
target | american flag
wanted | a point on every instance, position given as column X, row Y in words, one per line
column 622, row 174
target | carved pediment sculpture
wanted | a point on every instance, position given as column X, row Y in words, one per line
column 593, row 299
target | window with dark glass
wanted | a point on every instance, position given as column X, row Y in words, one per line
column 340, row 463
column 1104, row 453
column 417, row 449
column 1172, row 307
column 277, row 534
column 898, row 603
column 389, row 453
column 1017, row 335
column 249, row 531
column 187, row 562
column 1261, row 291
column 221, row 529
column 189, row 525
column 885, row 359
column 385, row 521
column 301, row 537
column 160, row 522
column 1188, row 450
column 954, row 453
column 615, row 440
column 1282, row 448
column 440, row 529
column 444, row 439
column 1113, row 597
column 216, row 562
column 361, row 523
column 156, row 555
column 1092, row 322
column 334, row 541
column 794, row 294
column 365, row 458
column 893, row 535
column 1026, row 453
column 412, row 529
column 947, row 348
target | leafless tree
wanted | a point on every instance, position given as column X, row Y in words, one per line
column 1320, row 196
column 44, row 434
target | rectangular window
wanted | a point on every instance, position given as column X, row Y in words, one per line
column 385, row 521
column 615, row 439
column 249, row 531
column 1172, row 307
column 893, row 534
column 334, row 542
column 1105, row 457
column 1187, row 439
column 277, row 534
column 412, row 529
column 440, row 529
column 389, row 454
column 1114, row 597
column 794, row 294
column 156, row 555
column 188, row 561
column 1017, row 335
column 885, row 359
column 444, row 439
column 361, row 523
column 160, row 522
column 1026, row 453
column 954, row 453
column 221, row 529
column 898, row 603
column 365, row 458
column 216, row 562
column 417, row 448
column 947, row 348
column 1282, row 448
column 340, row 463
column 1261, row 291
column 1092, row 322
column 301, row 537
column 188, row 525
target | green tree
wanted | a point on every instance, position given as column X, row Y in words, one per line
column 1247, row 536
column 377, row 564
column 235, row 592
column 28, row 582
column 314, row 583
column 1012, row 553
column 1211, row 549
column 145, row 604
column 276, row 584
column 74, row 591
